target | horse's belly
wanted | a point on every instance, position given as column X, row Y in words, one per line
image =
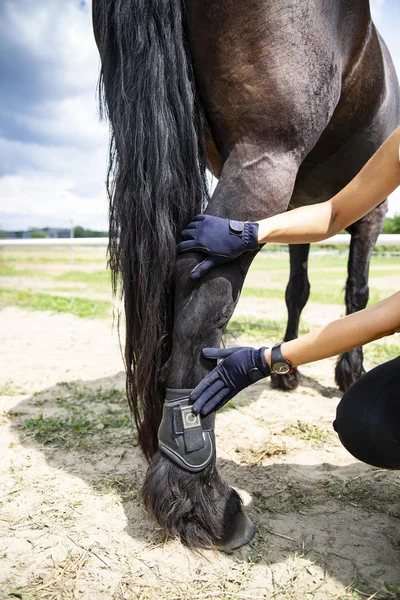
column 258, row 74
column 272, row 73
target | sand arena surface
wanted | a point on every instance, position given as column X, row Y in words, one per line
column 72, row 524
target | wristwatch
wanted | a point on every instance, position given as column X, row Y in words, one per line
column 279, row 364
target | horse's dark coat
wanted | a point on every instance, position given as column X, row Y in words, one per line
column 297, row 95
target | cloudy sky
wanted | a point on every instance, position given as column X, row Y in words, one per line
column 52, row 147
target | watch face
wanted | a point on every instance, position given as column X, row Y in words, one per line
column 281, row 368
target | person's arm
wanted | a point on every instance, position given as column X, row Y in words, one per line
column 344, row 334
column 243, row 366
column 376, row 180
column 223, row 240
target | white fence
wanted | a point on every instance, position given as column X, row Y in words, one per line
column 56, row 242
column 384, row 239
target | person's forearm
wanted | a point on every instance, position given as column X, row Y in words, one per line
column 298, row 226
column 378, row 178
column 344, row 334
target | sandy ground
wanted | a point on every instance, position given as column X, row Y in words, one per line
column 72, row 525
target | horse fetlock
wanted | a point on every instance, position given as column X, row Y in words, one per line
column 287, row 382
column 356, row 296
column 199, row 508
column 349, row 368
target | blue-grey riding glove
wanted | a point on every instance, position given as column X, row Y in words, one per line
column 241, row 367
column 222, row 239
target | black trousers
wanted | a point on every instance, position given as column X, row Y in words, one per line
column 368, row 417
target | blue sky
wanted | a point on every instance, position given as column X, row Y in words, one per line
column 53, row 149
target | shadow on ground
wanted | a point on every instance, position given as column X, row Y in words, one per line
column 326, row 391
column 344, row 519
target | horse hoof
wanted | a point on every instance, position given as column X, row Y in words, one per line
column 239, row 533
column 349, row 369
column 287, row 382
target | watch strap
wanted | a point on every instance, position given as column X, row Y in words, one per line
column 277, row 356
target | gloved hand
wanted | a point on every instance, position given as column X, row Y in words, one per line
column 240, row 368
column 221, row 239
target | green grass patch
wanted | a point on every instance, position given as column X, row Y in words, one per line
column 379, row 353
column 51, row 429
column 309, row 433
column 77, row 394
column 259, row 329
column 62, row 259
column 9, row 388
column 261, row 292
column 88, row 419
column 80, row 307
column 386, row 250
column 97, row 277
column 320, row 274
column 54, row 254
column 335, row 295
column 12, row 271
column 333, row 277
column 321, row 293
column 266, row 261
column 70, row 289
column 7, row 270
column 126, row 486
column 291, row 498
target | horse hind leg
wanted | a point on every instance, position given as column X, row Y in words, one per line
column 364, row 234
column 199, row 508
column 297, row 293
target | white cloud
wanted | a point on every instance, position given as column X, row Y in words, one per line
column 53, row 148
column 72, row 120
column 35, row 196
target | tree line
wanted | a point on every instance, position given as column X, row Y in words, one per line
column 81, row 232
column 392, row 225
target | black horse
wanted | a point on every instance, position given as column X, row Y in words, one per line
column 284, row 101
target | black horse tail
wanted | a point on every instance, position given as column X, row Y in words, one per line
column 156, row 180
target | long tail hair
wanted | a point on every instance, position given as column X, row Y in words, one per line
column 156, row 180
